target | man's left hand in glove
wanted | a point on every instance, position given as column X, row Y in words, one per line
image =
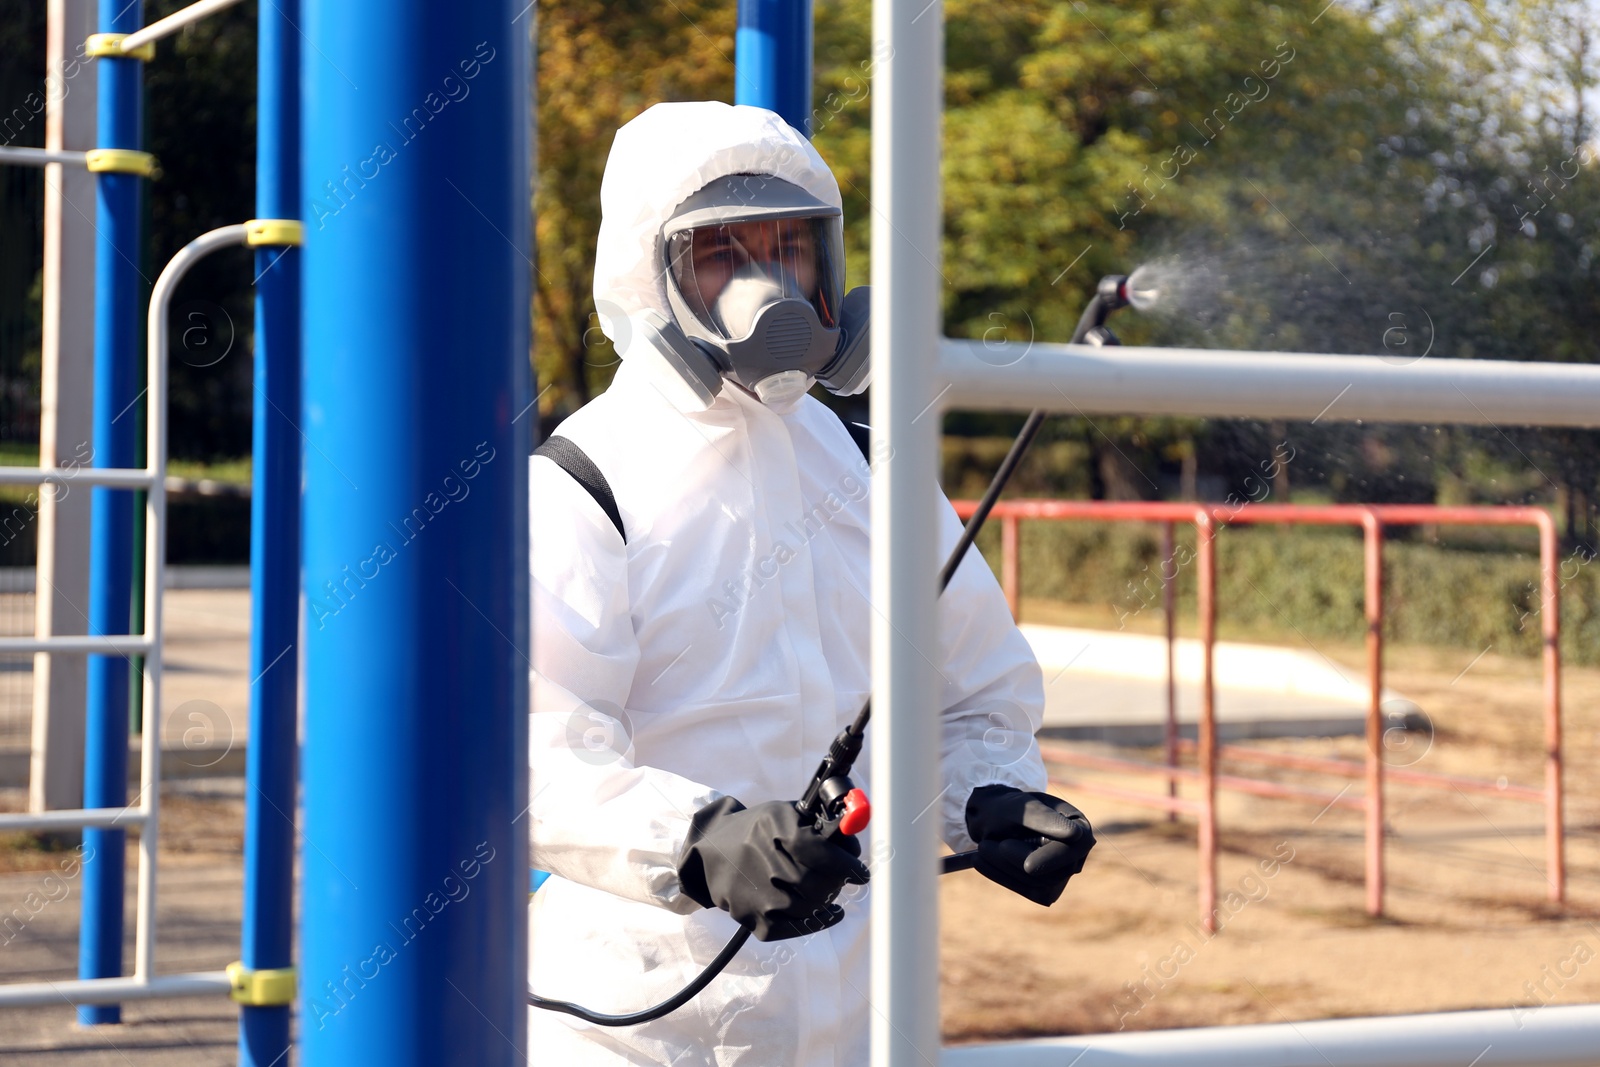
column 1031, row 843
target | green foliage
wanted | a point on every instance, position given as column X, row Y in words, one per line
column 1059, row 118
column 599, row 65
column 1315, row 172
column 22, row 103
column 1305, row 583
column 200, row 123
column 200, row 111
column 1318, row 180
column 1056, row 467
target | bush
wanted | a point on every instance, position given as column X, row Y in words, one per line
column 1310, row 581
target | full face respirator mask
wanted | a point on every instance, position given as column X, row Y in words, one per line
column 754, row 270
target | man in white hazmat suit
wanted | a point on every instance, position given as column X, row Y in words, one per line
column 701, row 618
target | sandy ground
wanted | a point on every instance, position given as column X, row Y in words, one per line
column 1467, row 923
column 197, row 929
column 1466, row 926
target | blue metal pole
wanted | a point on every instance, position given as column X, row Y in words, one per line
column 772, row 59
column 274, row 542
column 418, row 429
column 118, row 329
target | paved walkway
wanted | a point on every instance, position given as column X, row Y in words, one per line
column 1107, row 686
column 205, row 691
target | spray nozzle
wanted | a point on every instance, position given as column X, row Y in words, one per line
column 1150, row 284
column 1113, row 291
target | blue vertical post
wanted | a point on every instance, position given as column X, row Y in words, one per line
column 772, row 59
column 417, row 418
column 274, row 542
column 118, row 330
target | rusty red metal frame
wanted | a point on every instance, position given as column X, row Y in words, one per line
column 1208, row 520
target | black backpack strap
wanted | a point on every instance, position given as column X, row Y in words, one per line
column 576, row 462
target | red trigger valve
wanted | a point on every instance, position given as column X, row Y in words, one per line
column 857, row 813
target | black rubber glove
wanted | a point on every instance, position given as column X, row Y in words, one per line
column 765, row 867
column 1031, row 843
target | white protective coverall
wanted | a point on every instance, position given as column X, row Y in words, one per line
column 717, row 652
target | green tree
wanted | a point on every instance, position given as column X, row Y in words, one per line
column 22, row 103
column 600, row 64
column 200, row 122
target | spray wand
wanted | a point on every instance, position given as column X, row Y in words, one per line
column 832, row 802
column 1111, row 294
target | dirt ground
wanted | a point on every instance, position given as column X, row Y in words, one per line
column 1467, row 924
column 197, row 929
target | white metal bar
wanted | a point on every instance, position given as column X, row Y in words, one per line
column 174, row 22
column 97, row 644
column 113, row 990
column 110, row 477
column 1269, row 385
column 72, row 819
column 1514, row 1037
column 155, row 554
column 41, row 157
column 144, row 950
column 906, row 111
column 146, row 816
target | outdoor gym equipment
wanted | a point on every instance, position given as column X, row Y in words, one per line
column 263, row 980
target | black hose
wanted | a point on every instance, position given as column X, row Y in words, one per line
column 666, row 1007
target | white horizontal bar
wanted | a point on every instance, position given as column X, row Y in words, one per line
column 39, row 157
column 1516, row 1037
column 113, row 477
column 113, row 990
column 97, row 644
column 72, row 819
column 174, row 22
column 1221, row 383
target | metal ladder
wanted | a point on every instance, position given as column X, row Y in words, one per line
column 142, row 816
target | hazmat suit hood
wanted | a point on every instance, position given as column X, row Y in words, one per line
column 657, row 161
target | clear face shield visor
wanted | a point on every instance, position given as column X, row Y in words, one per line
column 726, row 272
column 754, row 273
